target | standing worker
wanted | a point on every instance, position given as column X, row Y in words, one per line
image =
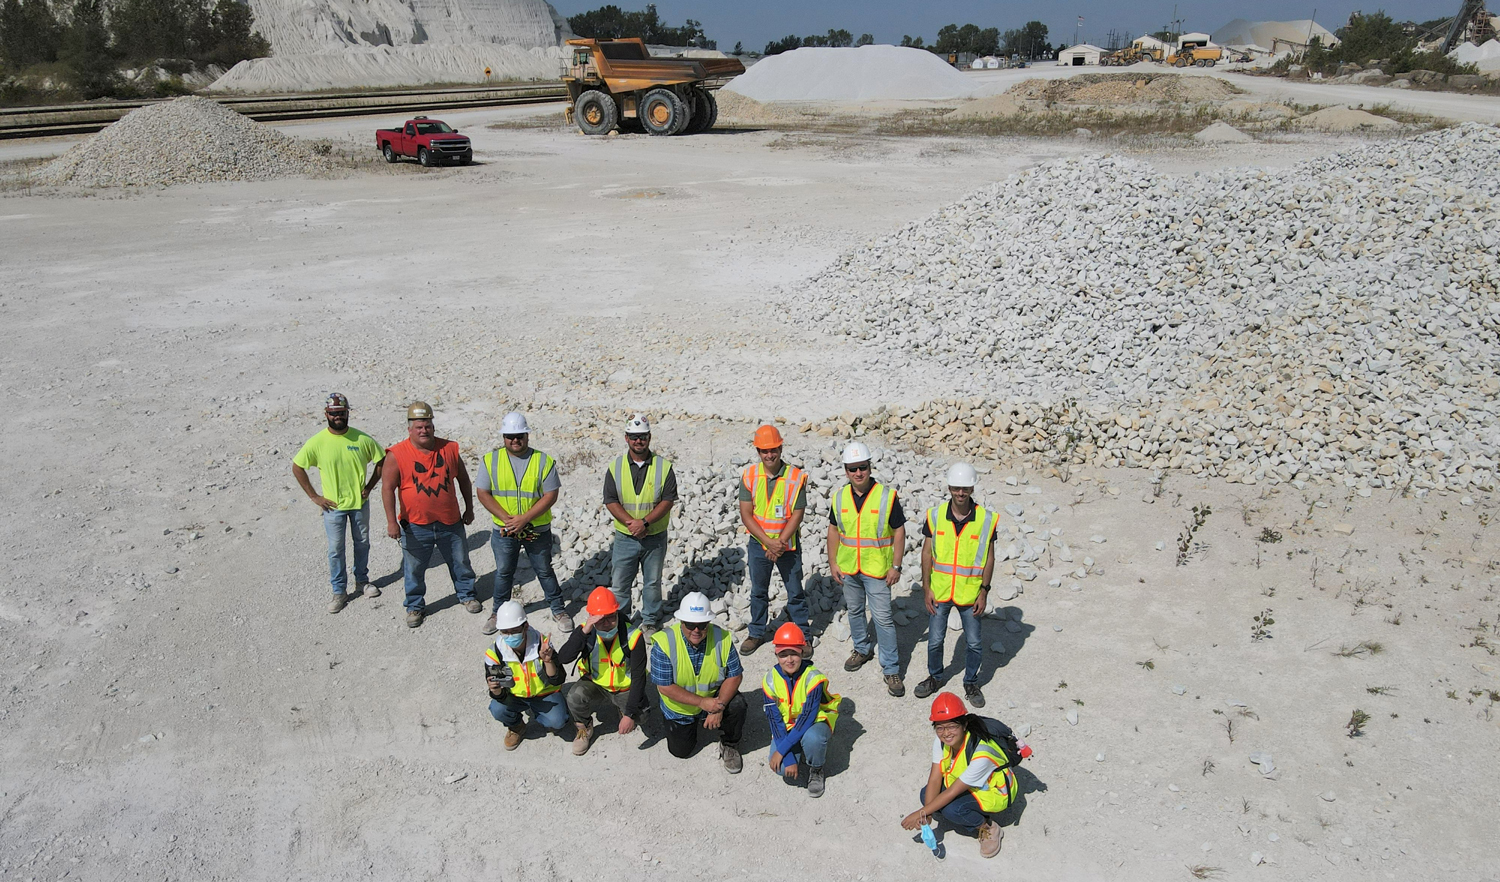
column 342, row 456
column 523, row 675
column 970, row 781
column 800, row 709
column 773, row 499
column 423, row 470
column 518, row 488
column 866, row 536
column 639, row 489
column 697, row 674
column 611, row 668
column 958, row 559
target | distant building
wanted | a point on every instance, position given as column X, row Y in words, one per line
column 1080, row 55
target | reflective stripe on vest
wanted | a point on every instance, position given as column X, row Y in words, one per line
column 994, row 795
column 866, row 540
column 612, row 670
column 527, row 674
column 638, row 506
column 513, row 499
column 958, row 559
column 705, row 680
column 790, row 703
column 773, row 510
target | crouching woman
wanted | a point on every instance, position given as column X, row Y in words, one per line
column 970, row 782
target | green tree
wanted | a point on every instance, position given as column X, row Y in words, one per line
column 969, row 38
column 865, row 40
column 912, row 42
column 612, row 23
column 29, row 33
column 145, row 30
column 86, row 51
column 739, row 48
column 1028, row 41
column 232, row 35
column 785, row 44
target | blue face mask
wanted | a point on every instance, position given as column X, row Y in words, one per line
column 515, row 641
column 608, row 635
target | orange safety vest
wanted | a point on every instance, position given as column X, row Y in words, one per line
column 773, row 508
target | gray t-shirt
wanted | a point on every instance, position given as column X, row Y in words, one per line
column 550, row 481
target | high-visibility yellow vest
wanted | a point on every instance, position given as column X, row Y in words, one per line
column 640, row 505
column 773, row 508
column 958, row 558
column 527, row 669
column 513, row 499
column 609, row 666
column 790, row 702
column 707, row 679
column 867, row 543
column 996, row 793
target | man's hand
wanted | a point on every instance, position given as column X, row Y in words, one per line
column 913, row 820
column 712, row 704
column 627, row 725
column 981, row 601
column 468, row 514
column 776, row 548
column 931, row 601
column 546, row 653
column 324, row 503
column 892, row 576
column 636, row 526
column 393, row 529
column 514, row 524
column 713, row 720
column 497, row 691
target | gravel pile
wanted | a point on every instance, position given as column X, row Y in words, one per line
column 187, row 140
column 864, row 73
column 1126, row 88
column 1335, row 320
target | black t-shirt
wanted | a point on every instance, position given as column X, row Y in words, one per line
column 896, row 518
column 958, row 523
column 638, row 481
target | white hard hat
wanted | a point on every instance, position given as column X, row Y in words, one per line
column 637, row 425
column 510, row 615
column 514, row 424
column 694, row 608
column 856, row 452
column 961, row 474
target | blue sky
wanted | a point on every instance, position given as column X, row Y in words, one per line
column 755, row 22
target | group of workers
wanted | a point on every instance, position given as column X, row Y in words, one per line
column 692, row 664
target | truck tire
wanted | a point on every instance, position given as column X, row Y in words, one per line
column 595, row 112
column 702, row 113
column 713, row 110
column 424, row 158
column 662, row 112
column 390, row 155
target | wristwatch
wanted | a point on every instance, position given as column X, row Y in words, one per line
column 897, row 569
column 983, row 587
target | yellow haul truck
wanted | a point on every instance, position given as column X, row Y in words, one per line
column 1196, row 53
column 617, row 84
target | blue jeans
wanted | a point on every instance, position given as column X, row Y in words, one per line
column 859, row 588
column 647, row 555
column 789, row 565
column 539, row 551
column 813, row 748
column 417, row 543
column 963, row 812
column 550, row 710
column 359, row 527
column 937, row 626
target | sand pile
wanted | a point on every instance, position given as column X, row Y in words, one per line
column 1343, row 119
column 392, row 66
column 866, row 73
column 1486, row 57
column 1127, row 88
column 187, row 140
column 1222, row 133
column 736, row 108
column 994, row 107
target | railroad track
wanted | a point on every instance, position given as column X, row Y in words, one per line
column 82, row 119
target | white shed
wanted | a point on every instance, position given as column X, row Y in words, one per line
column 1080, row 55
column 1148, row 42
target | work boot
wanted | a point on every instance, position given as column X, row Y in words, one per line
column 926, row 687
column 414, row 618
column 649, row 631
column 339, row 602
column 564, row 622
column 750, row 645
column 815, row 781
column 972, row 695
column 894, row 685
column 581, row 738
column 368, row 589
column 856, row 660
column 990, row 835
column 473, row 605
column 513, row 737
column 733, row 762
column 489, row 625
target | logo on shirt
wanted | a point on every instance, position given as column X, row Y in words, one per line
column 432, row 481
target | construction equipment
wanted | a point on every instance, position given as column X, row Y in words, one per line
column 1471, row 23
column 1131, row 55
column 617, row 84
column 1195, row 53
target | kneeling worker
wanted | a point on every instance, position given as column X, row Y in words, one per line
column 611, row 668
column 523, row 675
column 970, row 781
column 697, row 673
column 800, row 709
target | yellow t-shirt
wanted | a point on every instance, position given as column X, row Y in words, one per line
column 341, row 461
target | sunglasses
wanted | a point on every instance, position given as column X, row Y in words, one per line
column 857, row 468
column 695, row 626
column 637, row 437
column 517, row 437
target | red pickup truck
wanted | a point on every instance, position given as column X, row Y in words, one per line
column 431, row 141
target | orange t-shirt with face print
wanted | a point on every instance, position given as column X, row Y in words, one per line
column 426, row 489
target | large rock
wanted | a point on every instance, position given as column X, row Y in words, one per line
column 305, row 26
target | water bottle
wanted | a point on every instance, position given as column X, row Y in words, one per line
column 928, row 839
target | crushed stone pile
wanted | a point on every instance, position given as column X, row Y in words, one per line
column 1485, row 57
column 736, row 108
column 1336, row 320
column 186, row 140
column 1222, row 133
column 864, row 73
column 392, row 67
column 1125, row 88
column 1343, row 119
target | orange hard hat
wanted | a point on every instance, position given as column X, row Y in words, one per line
column 947, row 706
column 602, row 602
column 767, row 438
column 788, row 635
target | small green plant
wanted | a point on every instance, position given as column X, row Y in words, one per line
column 1202, row 871
column 1208, row 766
column 1453, row 694
column 1260, row 627
column 1269, row 536
column 1062, row 684
column 1078, row 701
column 1185, row 540
column 1229, row 729
column 1380, row 690
column 1362, row 648
column 1357, row 722
column 1148, row 664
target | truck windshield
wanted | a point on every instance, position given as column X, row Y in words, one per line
column 434, row 128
